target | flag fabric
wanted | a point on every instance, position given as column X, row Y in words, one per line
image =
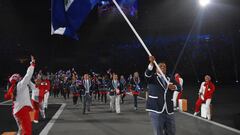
column 68, row 15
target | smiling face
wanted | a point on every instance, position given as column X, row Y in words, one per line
column 163, row 67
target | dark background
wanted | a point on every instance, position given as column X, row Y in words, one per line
column 213, row 47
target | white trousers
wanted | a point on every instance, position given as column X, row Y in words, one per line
column 175, row 95
column 45, row 102
column 112, row 100
column 115, row 103
column 208, row 102
column 42, row 109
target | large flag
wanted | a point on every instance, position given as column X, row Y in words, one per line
column 68, row 15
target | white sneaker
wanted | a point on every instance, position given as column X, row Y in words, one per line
column 209, row 117
column 196, row 113
column 35, row 121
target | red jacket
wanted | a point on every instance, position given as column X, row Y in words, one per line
column 48, row 85
column 209, row 90
column 43, row 87
column 41, row 92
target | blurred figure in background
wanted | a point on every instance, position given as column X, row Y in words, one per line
column 135, row 88
column 123, row 85
column 87, row 90
column 115, row 94
column 177, row 95
column 46, row 91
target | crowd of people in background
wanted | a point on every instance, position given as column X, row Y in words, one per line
column 99, row 87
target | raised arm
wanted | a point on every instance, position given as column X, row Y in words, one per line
column 149, row 71
column 26, row 79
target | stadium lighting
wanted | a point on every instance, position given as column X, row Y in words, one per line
column 204, row 3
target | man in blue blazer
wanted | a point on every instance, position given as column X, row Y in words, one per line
column 159, row 102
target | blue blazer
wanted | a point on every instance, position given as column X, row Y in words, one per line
column 159, row 97
column 84, row 89
column 112, row 93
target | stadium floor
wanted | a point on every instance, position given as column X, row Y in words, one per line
column 70, row 120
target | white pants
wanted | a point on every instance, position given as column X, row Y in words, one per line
column 208, row 102
column 112, row 100
column 117, row 103
column 42, row 109
column 115, row 100
column 175, row 95
column 45, row 102
column 205, row 109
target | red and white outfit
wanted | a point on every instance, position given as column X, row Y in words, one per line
column 205, row 95
column 19, row 92
column 35, row 102
column 177, row 95
column 42, row 88
column 46, row 95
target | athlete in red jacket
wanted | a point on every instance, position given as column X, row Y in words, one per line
column 46, row 92
column 205, row 95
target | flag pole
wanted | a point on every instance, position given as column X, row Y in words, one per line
column 140, row 39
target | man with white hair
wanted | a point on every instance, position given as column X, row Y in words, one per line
column 205, row 95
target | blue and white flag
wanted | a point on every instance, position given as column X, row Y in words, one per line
column 68, row 15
